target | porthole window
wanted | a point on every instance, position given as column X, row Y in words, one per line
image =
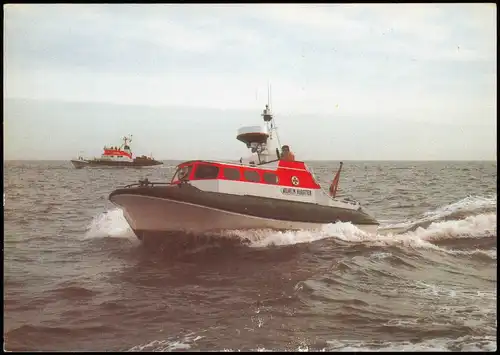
column 271, row 178
column 252, row 176
column 204, row 171
column 231, row 173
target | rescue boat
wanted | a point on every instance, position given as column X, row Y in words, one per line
column 263, row 191
column 116, row 157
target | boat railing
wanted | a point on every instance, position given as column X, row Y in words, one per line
column 346, row 199
column 350, row 201
column 268, row 162
column 244, row 164
column 146, row 183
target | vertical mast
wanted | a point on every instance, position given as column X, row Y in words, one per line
column 271, row 125
column 269, row 94
column 270, row 99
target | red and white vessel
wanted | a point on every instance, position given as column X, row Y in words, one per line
column 260, row 192
column 116, row 157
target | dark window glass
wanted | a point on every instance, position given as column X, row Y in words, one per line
column 231, row 173
column 252, row 176
column 270, row 178
column 206, row 172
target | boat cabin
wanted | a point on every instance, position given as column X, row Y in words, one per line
column 264, row 174
column 280, row 179
column 282, row 173
column 115, row 153
column 120, row 153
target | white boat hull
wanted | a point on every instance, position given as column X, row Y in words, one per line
column 147, row 214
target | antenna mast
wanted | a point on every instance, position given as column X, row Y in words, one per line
column 270, row 97
column 269, row 94
column 272, row 123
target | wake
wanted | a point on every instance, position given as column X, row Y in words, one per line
column 469, row 218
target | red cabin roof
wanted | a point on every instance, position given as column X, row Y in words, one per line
column 118, row 152
column 287, row 174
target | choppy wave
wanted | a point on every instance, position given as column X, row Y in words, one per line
column 78, row 279
column 469, row 206
column 109, row 224
column 465, row 344
column 387, row 264
column 470, row 218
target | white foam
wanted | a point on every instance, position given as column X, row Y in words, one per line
column 183, row 343
column 109, row 224
column 264, row 238
column 473, row 226
column 470, row 227
column 113, row 224
column 480, row 225
column 475, row 296
column 467, row 343
column 380, row 255
column 468, row 204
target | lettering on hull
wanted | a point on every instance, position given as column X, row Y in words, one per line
column 295, row 192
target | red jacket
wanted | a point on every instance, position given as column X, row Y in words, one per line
column 289, row 156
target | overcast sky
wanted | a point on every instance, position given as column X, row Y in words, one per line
column 349, row 82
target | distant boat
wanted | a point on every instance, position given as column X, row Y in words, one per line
column 116, row 157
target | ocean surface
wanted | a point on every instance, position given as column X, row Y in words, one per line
column 76, row 278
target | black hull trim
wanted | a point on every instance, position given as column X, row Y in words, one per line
column 114, row 164
column 252, row 205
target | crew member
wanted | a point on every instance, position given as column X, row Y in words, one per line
column 286, row 154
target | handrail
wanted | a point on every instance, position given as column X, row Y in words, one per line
column 268, row 162
column 240, row 164
column 146, row 183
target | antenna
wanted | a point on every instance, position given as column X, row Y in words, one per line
column 269, row 93
column 269, row 117
column 270, row 97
